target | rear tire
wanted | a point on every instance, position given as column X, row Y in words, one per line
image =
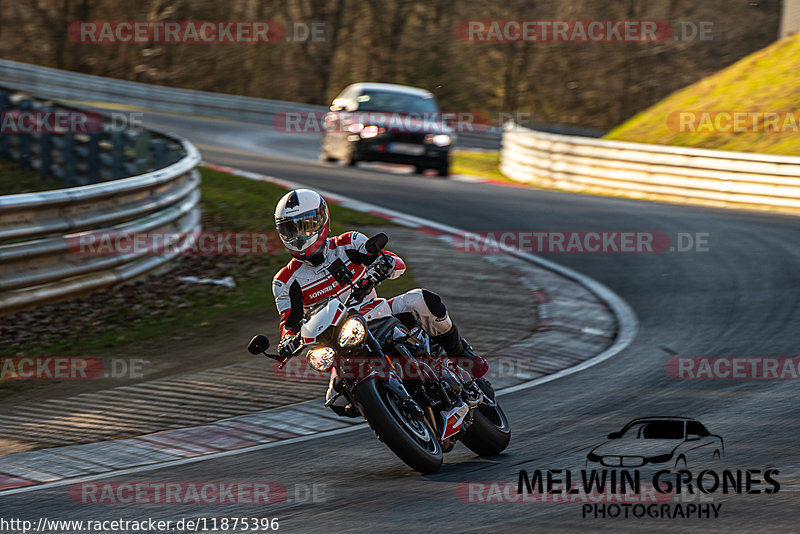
column 413, row 441
column 490, row 432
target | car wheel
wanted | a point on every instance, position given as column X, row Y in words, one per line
column 444, row 170
column 351, row 158
column 419, row 170
column 680, row 463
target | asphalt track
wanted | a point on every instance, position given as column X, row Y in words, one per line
column 737, row 300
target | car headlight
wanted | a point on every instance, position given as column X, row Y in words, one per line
column 439, row 139
column 321, row 358
column 353, row 331
column 371, row 131
column 659, row 459
column 355, row 127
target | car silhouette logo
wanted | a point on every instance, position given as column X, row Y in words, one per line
column 676, row 441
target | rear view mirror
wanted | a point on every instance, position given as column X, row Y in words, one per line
column 376, row 243
column 258, row 345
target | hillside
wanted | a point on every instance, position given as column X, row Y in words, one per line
column 765, row 83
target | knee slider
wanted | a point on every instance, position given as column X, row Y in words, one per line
column 434, row 303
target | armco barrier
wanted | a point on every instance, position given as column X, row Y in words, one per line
column 650, row 171
column 36, row 264
column 55, row 83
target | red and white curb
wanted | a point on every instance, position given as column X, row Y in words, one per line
column 34, row 470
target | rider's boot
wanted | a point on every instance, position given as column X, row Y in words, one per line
column 461, row 353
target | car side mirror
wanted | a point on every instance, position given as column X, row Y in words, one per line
column 336, row 107
column 258, row 345
column 614, row 435
column 692, row 437
column 376, row 243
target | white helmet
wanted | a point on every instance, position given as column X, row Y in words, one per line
column 302, row 220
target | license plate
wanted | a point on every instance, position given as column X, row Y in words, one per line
column 406, row 148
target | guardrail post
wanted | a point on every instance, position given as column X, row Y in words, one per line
column 24, row 143
column 5, row 105
column 159, row 153
column 45, row 155
column 173, row 153
column 141, row 149
column 66, row 158
column 93, row 158
column 117, row 154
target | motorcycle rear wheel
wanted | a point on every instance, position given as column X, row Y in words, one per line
column 490, row 432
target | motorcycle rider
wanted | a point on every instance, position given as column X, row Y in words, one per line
column 303, row 224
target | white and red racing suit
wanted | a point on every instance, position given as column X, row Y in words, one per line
column 300, row 285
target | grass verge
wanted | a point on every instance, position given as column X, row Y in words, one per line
column 765, row 81
column 485, row 164
column 14, row 180
column 141, row 317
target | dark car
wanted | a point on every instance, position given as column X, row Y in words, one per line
column 678, row 441
column 388, row 123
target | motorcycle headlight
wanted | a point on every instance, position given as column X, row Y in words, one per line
column 353, row 331
column 439, row 139
column 321, row 358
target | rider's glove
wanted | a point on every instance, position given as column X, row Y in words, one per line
column 381, row 268
column 288, row 346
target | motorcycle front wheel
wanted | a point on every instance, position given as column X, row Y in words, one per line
column 411, row 439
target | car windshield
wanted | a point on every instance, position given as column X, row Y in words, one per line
column 656, row 430
column 396, row 102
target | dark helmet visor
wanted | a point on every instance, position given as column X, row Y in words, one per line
column 303, row 228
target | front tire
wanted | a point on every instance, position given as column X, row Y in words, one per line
column 490, row 432
column 413, row 441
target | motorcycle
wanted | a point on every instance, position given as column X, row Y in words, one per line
column 416, row 400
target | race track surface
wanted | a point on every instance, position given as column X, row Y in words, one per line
column 739, row 299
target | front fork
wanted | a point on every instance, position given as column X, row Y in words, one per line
column 390, row 379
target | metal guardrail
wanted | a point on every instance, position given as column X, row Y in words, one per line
column 55, row 83
column 638, row 169
column 38, row 263
column 97, row 151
